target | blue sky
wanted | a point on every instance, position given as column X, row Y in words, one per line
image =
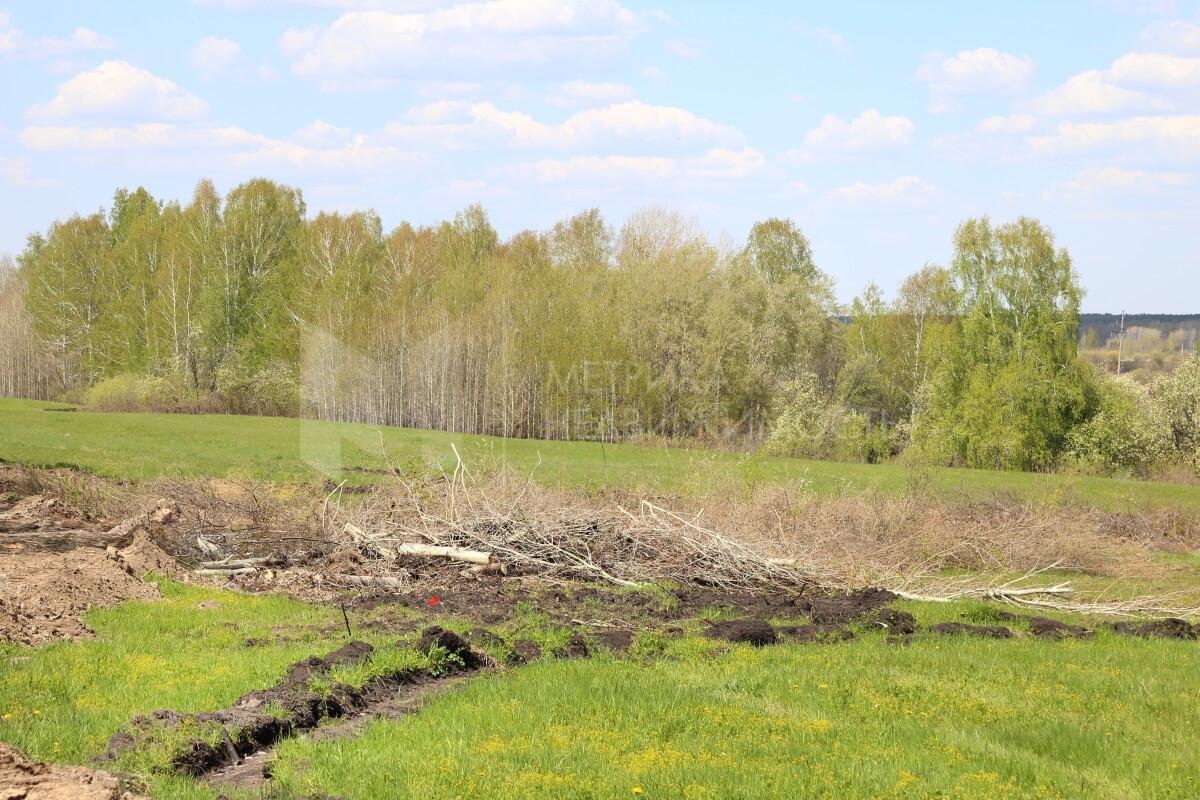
column 876, row 126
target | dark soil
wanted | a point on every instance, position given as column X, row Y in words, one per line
column 893, row 621
column 753, row 631
column 840, row 609
column 983, row 631
column 1052, row 629
column 1170, row 628
column 247, row 727
column 616, row 640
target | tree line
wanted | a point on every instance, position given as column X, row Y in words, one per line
column 248, row 304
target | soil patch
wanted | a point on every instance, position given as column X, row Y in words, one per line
column 1052, row 629
column 22, row 779
column 840, row 609
column 752, row 631
column 1170, row 628
column 45, row 590
column 261, row 718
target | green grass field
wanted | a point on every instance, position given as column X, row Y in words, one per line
column 152, row 445
column 943, row 717
column 687, row 717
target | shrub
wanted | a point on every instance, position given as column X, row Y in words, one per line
column 1124, row 436
column 271, row 391
column 130, row 392
column 1176, row 401
column 811, row 426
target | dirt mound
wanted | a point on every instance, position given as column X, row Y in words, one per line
column 43, row 595
column 754, row 631
column 22, row 779
column 840, row 609
column 54, row 566
column 1170, row 628
column 1052, row 629
column 261, row 718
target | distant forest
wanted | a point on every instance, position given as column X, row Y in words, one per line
column 247, row 304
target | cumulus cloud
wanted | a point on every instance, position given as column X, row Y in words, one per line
column 15, row 42
column 1156, row 71
column 582, row 94
column 214, row 57
column 870, row 131
column 831, row 39
column 1133, row 82
column 1099, row 180
column 716, row 163
column 322, row 134
column 1093, row 92
column 983, row 71
column 1170, row 138
column 458, row 124
column 1176, row 36
column 371, row 48
column 907, row 190
column 143, row 136
column 1013, row 123
column 119, row 89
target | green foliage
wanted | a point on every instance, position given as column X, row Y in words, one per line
column 269, row 391
column 1009, row 386
column 1177, row 402
column 1125, row 436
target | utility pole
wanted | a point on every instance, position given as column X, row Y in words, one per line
column 1121, row 343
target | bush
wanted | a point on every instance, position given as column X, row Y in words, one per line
column 1125, row 436
column 810, row 426
column 271, row 391
column 1176, row 402
column 130, row 392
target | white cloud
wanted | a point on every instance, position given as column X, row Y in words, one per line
column 458, row 124
column 145, row 136
column 869, row 131
column 1156, row 71
column 373, row 48
column 119, row 89
column 581, row 94
column 16, row 171
column 1014, row 123
column 15, row 42
column 1093, row 92
column 214, row 57
column 1176, row 36
column 983, row 71
column 907, row 190
column 322, row 134
column 1099, row 180
column 721, row 164
column 1171, row 138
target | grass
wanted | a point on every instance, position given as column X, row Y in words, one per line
column 949, row 717
column 280, row 449
column 686, row 717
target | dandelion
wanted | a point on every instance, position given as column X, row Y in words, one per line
column 637, row 790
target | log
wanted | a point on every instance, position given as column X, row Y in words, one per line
column 234, row 563
column 60, row 541
column 227, row 573
column 370, row 580
column 440, row 551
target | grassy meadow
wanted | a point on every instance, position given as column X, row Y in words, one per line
column 684, row 717
column 285, row 449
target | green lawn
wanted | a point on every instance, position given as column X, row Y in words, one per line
column 151, row 445
column 687, row 717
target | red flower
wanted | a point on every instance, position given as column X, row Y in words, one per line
column 433, row 601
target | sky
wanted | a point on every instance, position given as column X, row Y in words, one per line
column 876, row 126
